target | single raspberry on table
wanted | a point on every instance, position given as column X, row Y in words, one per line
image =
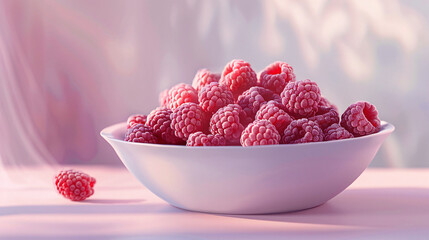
column 301, row 98
column 159, row 120
column 253, row 98
column 325, row 117
column 214, row 96
column 361, row 119
column 202, row 139
column 180, row 94
column 163, row 98
column 260, row 132
column 136, row 119
column 187, row 119
column 324, row 102
column 74, row 185
column 302, row 131
column 336, row 132
column 238, row 76
column 276, row 76
column 140, row 134
column 227, row 122
column 275, row 115
column 203, row 78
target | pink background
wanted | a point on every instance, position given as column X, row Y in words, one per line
column 70, row 68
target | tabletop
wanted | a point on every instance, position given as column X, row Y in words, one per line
column 380, row 204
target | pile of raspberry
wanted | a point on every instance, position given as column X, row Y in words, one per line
column 241, row 107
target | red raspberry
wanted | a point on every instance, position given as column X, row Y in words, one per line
column 277, row 116
column 180, row 94
column 141, row 134
column 187, row 119
column 325, row 117
column 227, row 122
column 278, row 103
column 136, row 119
column 361, row 119
column 302, row 131
column 301, row 98
column 214, row 96
column 238, row 76
column 260, row 132
column 74, row 185
column 324, row 102
column 336, row 132
column 204, row 77
column 159, row 120
column 201, row 139
column 276, row 76
column 253, row 98
column 163, row 98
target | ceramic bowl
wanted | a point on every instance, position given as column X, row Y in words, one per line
column 247, row 180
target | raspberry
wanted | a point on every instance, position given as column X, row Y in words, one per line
column 336, row 132
column 238, row 76
column 301, row 98
column 253, row 98
column 201, row 139
column 214, row 96
column 187, row 119
column 302, row 131
column 278, row 103
column 74, row 185
column 324, row 102
column 163, row 98
column 141, row 134
column 361, row 119
column 136, row 119
column 325, row 117
column 180, row 94
column 277, row 116
column 227, row 122
column 203, row 78
column 276, row 76
column 159, row 120
column 260, row 132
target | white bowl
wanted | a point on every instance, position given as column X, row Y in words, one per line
column 247, row 180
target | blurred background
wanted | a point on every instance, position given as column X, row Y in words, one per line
column 70, row 68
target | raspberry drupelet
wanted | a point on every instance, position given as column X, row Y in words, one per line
column 325, row 117
column 187, row 119
column 159, row 120
column 74, row 185
column 203, row 78
column 274, row 114
column 336, row 132
column 140, row 134
column 302, row 131
column 202, row 139
column 180, row 94
column 136, row 119
column 227, row 122
column 260, row 132
column 238, row 76
column 301, row 98
column 324, row 102
column 361, row 119
column 214, row 96
column 276, row 76
column 253, row 98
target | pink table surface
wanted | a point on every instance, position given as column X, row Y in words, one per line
column 381, row 204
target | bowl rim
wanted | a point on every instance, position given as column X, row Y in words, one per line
column 107, row 134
